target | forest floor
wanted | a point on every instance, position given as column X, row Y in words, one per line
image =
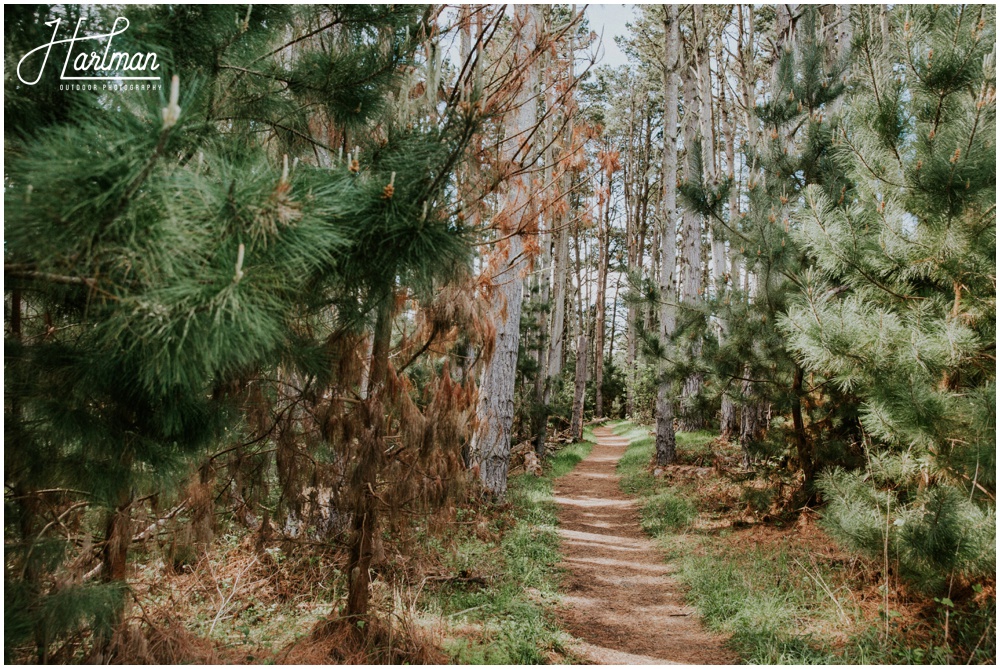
column 603, row 558
column 620, row 598
column 479, row 587
column 767, row 575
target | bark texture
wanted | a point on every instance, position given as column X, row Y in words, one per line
column 691, row 282
column 580, row 388
column 753, row 421
column 729, row 420
column 602, row 287
column 547, row 267
column 665, row 438
column 495, row 411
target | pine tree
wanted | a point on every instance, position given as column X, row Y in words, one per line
column 599, row 106
column 160, row 253
column 900, row 310
column 795, row 151
column 559, row 151
column 665, row 438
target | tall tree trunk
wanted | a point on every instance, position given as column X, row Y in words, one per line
column 548, row 269
column 366, row 368
column 753, row 411
column 630, row 250
column 729, row 423
column 580, row 387
column 471, row 168
column 496, row 395
column 643, row 217
column 753, row 421
column 744, row 58
column 665, row 438
column 117, row 537
column 709, row 162
column 580, row 376
column 560, row 275
column 691, row 284
column 496, row 390
column 837, row 32
column 602, row 286
column 364, row 522
column 784, row 36
column 614, row 319
column 114, row 554
column 540, row 410
column 557, row 326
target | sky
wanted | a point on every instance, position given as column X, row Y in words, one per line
column 610, row 19
column 606, row 20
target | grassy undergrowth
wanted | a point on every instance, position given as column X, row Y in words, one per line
column 782, row 591
column 481, row 587
column 509, row 619
column 663, row 508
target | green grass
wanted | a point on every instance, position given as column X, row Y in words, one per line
column 744, row 596
column 513, row 613
column 735, row 595
column 666, row 510
column 770, row 601
column 776, row 614
column 662, row 508
column 635, row 479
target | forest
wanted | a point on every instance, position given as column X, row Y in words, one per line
column 421, row 334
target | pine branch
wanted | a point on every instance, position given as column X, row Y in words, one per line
column 51, row 278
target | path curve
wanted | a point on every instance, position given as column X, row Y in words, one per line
column 619, row 596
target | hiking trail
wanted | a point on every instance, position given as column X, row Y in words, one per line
column 619, row 597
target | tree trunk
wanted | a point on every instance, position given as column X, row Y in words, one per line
column 364, row 524
column 643, row 217
column 576, row 425
column 747, row 77
column 801, row 439
column 691, row 252
column 495, row 412
column 117, row 537
column 753, row 410
column 114, row 558
column 580, row 375
column 729, row 419
column 540, row 410
column 496, row 391
column 729, row 423
column 631, row 242
column 665, row 438
column 560, row 273
column 365, row 476
column 602, row 287
column 557, row 326
column 709, row 160
column 540, row 413
column 366, row 368
column 839, row 38
column 381, row 343
column 614, row 320
column 753, row 420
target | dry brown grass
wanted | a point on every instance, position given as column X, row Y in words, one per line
column 243, row 601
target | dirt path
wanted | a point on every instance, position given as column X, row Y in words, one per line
column 619, row 596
